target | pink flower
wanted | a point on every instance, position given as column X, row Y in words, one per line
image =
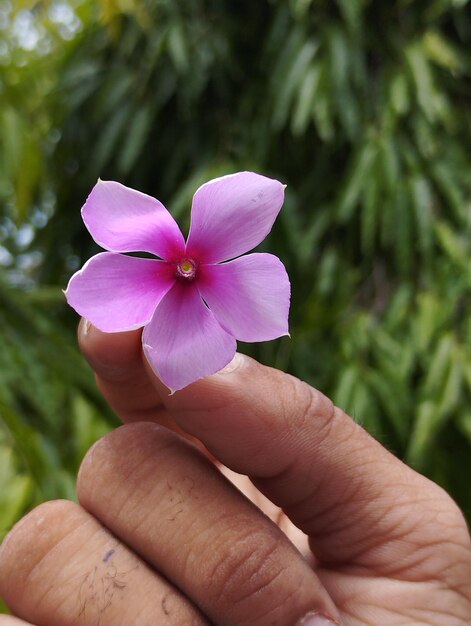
column 192, row 306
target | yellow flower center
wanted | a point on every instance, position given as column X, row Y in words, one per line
column 186, row 269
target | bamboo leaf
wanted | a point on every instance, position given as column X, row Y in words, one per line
column 357, row 176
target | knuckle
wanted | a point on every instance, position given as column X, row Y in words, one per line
column 304, row 410
column 451, row 518
column 302, row 404
column 248, row 568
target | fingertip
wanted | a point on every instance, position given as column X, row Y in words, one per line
column 109, row 354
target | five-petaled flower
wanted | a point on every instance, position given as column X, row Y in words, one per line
column 193, row 302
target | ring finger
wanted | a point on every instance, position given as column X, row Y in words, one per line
column 60, row 567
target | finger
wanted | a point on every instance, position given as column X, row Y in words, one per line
column 357, row 502
column 118, row 362
column 9, row 620
column 166, row 500
column 334, row 480
column 126, row 384
column 60, row 567
column 122, row 376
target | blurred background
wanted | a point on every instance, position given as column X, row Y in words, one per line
column 362, row 107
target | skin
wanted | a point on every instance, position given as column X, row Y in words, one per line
column 323, row 520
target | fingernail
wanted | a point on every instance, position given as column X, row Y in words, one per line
column 85, row 326
column 233, row 365
column 316, row 619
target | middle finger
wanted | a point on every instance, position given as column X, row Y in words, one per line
column 168, row 502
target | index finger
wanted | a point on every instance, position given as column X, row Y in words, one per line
column 356, row 501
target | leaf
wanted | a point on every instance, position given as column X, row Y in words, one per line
column 13, row 502
column 357, row 178
column 427, row 417
column 303, row 111
column 439, row 364
column 455, row 246
column 439, row 50
column 301, row 7
column 343, row 395
column 178, row 47
column 12, row 140
column 445, row 179
column 445, row 379
column 392, row 405
column 422, row 200
column 371, row 206
column 427, row 321
column 136, row 136
column 27, row 180
column 351, row 11
column 293, row 78
column 403, row 230
column 340, row 54
column 399, row 94
column 88, row 425
column 108, row 141
column 323, row 106
column 426, row 94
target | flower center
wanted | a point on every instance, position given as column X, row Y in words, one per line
column 186, row 269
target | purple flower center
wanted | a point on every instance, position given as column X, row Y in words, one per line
column 186, row 269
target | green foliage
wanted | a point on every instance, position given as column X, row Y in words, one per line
column 50, row 411
column 361, row 107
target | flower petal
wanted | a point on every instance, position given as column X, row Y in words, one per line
column 183, row 341
column 249, row 296
column 121, row 219
column 232, row 214
column 117, row 292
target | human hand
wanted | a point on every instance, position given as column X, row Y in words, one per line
column 161, row 538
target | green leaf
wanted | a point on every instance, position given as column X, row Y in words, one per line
column 422, row 202
column 137, row 133
column 439, row 364
column 439, row 50
column 351, row 11
column 294, row 77
column 427, row 418
column 399, row 94
column 343, row 394
column 357, row 178
column 108, row 141
column 304, row 107
column 177, row 45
